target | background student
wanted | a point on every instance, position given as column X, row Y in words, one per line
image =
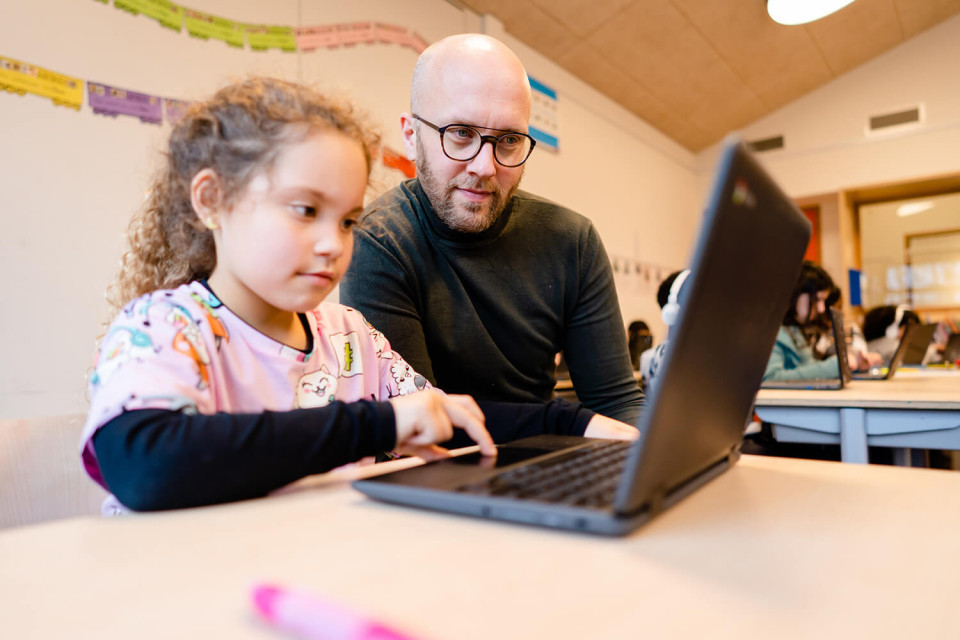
column 668, row 297
column 793, row 356
column 223, row 377
column 883, row 327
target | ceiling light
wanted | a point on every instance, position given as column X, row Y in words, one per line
column 791, row 12
column 912, row 208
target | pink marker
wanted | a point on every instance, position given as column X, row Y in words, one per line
column 307, row 616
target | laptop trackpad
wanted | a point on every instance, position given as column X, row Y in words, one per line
column 505, row 457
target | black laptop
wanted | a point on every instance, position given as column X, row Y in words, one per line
column 886, row 372
column 745, row 264
column 919, row 341
column 951, row 353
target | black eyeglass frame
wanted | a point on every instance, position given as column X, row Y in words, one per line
column 493, row 140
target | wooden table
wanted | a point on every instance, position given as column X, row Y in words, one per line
column 775, row 548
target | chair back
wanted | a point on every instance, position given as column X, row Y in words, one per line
column 41, row 476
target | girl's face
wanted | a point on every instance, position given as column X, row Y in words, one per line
column 807, row 312
column 286, row 242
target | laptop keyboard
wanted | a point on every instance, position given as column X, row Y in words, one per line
column 585, row 477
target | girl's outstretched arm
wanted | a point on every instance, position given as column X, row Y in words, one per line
column 153, row 459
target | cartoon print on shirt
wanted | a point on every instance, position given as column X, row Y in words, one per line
column 349, row 353
column 121, row 345
column 189, row 341
column 316, row 389
column 379, row 343
column 210, row 303
column 180, row 403
column 408, row 380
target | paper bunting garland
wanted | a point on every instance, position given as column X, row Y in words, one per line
column 20, row 77
column 111, row 101
column 173, row 110
column 262, row 37
column 163, row 11
column 207, row 26
column 637, row 276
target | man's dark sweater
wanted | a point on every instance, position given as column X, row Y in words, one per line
column 486, row 313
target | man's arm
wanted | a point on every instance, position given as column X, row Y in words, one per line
column 377, row 286
column 595, row 344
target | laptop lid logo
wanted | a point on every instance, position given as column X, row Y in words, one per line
column 742, row 196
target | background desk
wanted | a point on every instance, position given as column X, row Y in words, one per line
column 775, row 548
column 911, row 410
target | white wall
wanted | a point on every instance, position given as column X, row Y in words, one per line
column 70, row 180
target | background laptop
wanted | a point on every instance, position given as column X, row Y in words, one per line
column 841, row 375
column 886, row 372
column 919, row 341
column 951, row 353
column 745, row 264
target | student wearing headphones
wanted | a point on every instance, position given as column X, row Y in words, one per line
column 668, row 297
column 884, row 326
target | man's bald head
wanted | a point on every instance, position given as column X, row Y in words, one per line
column 470, row 58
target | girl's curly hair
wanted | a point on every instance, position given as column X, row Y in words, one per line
column 236, row 133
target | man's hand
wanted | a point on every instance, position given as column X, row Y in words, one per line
column 427, row 417
column 604, row 427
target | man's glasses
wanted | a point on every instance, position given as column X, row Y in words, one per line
column 462, row 142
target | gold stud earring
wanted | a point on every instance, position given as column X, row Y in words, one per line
column 210, row 224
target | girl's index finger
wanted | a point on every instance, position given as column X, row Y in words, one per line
column 464, row 418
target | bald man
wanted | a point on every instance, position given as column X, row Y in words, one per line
column 479, row 285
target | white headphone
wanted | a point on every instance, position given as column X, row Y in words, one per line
column 893, row 331
column 671, row 310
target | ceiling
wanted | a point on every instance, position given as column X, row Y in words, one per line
column 698, row 69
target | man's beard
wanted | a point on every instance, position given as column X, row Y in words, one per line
column 466, row 217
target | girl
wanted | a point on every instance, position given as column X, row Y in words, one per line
column 793, row 356
column 223, row 377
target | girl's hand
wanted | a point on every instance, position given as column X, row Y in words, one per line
column 427, row 417
column 872, row 359
column 864, row 361
column 604, row 427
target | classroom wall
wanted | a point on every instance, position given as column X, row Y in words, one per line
column 826, row 147
column 827, row 151
column 70, row 180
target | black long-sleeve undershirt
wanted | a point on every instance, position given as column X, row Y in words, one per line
column 154, row 459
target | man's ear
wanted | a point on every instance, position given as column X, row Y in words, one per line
column 206, row 197
column 408, row 130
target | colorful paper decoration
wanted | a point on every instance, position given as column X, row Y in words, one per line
column 310, row 38
column 205, row 26
column 356, row 33
column 173, row 109
column 20, row 77
column 391, row 34
column 261, row 37
column 163, row 11
column 111, row 101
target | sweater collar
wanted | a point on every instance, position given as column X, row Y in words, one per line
column 429, row 217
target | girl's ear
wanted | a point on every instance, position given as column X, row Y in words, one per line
column 205, row 196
